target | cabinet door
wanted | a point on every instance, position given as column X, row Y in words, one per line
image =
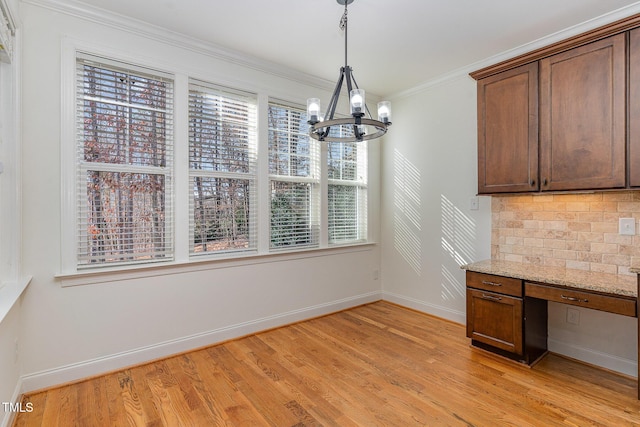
column 582, row 117
column 634, row 108
column 495, row 319
column 508, row 131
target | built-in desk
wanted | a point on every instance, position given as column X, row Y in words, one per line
column 502, row 294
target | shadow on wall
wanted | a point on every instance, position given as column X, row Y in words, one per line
column 458, row 236
column 407, row 217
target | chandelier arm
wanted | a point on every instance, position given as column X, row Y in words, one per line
column 333, row 102
column 348, row 71
column 331, row 109
column 357, row 118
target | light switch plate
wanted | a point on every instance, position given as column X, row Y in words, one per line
column 627, row 226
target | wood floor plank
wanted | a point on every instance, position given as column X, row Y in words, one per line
column 305, row 383
column 61, row 407
column 374, row 365
column 139, row 376
column 92, row 403
column 38, row 404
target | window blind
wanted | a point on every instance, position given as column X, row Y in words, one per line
column 124, row 119
column 294, row 179
column 347, row 191
column 222, row 159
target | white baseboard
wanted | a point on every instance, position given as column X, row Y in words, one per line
column 608, row 361
column 89, row 368
column 425, row 307
column 8, row 416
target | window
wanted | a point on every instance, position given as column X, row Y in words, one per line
column 347, row 192
column 294, row 175
column 294, row 178
column 124, row 118
column 222, row 167
column 124, row 188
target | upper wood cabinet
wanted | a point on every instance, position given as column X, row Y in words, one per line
column 582, row 117
column 634, row 108
column 578, row 129
column 508, row 131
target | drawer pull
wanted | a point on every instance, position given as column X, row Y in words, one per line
column 491, row 297
column 486, row 282
column 573, row 299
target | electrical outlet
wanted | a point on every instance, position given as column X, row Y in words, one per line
column 573, row 316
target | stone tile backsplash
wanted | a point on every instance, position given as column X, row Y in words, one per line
column 567, row 230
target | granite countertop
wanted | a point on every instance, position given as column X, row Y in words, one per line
column 618, row 284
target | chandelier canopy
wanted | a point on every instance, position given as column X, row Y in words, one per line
column 364, row 127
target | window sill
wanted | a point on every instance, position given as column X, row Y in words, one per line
column 105, row 275
column 10, row 293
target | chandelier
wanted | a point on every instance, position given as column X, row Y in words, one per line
column 363, row 125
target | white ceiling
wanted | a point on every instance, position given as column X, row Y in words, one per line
column 394, row 45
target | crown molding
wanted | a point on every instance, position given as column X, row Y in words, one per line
column 144, row 29
column 525, row 49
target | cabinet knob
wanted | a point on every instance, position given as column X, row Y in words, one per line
column 544, row 182
column 533, row 183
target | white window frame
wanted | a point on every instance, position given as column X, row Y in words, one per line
column 70, row 275
column 313, row 180
column 152, row 254
column 250, row 175
column 360, row 183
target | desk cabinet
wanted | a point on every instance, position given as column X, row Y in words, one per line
column 625, row 306
column 500, row 319
column 495, row 319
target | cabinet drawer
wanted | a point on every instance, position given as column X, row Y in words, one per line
column 611, row 304
column 495, row 319
column 489, row 282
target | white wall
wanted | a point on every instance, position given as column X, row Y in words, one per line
column 429, row 175
column 11, row 283
column 72, row 332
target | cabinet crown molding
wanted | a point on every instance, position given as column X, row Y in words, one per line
column 616, row 27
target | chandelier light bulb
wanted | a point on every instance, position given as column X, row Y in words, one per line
column 313, row 109
column 384, row 111
column 357, row 101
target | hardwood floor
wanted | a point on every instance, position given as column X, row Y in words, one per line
column 373, row 365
